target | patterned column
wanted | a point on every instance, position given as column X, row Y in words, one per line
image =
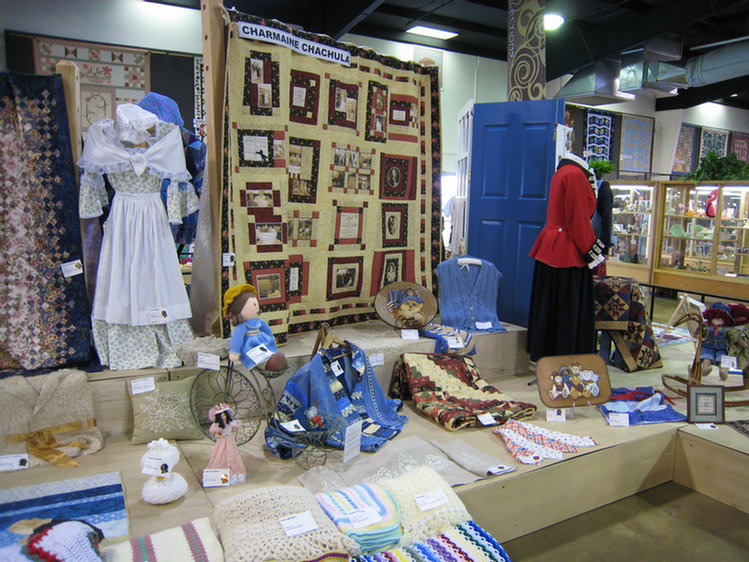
column 526, row 50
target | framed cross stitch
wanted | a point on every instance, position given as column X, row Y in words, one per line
column 705, row 403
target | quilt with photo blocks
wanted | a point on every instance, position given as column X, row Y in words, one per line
column 331, row 178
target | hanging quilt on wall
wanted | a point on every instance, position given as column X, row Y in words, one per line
column 636, row 144
column 599, row 132
column 44, row 311
column 109, row 75
column 331, row 174
column 686, row 148
column 713, row 140
column 740, row 146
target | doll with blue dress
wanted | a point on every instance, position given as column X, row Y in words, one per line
column 251, row 341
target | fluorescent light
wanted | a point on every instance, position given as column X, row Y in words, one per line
column 431, row 32
column 552, row 21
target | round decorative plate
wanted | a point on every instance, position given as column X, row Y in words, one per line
column 405, row 305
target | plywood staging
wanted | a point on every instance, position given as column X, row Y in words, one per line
column 626, row 461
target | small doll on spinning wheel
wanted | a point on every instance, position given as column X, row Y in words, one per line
column 225, row 453
column 252, row 342
column 715, row 343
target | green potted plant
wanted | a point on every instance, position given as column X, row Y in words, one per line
column 601, row 167
column 713, row 167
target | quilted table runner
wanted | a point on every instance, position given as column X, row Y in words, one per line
column 331, row 174
column 44, row 311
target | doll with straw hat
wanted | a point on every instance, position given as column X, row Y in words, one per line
column 252, row 342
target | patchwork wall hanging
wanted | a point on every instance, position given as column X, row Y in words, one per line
column 713, row 140
column 331, row 174
column 636, row 144
column 740, row 146
column 44, row 312
column 686, row 149
column 109, row 75
column 599, row 131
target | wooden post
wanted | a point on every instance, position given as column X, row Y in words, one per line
column 214, row 65
column 71, row 83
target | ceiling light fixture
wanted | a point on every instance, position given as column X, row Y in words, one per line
column 552, row 21
column 431, row 32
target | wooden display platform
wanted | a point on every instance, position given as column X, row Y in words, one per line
column 625, row 462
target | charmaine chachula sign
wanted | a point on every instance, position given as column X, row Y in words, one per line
column 298, row 44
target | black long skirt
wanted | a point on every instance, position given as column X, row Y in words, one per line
column 562, row 314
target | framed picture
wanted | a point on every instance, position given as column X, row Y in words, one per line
column 705, row 403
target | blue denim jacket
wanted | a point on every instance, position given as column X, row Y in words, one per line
column 353, row 395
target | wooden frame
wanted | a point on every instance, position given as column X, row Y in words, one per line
column 706, row 403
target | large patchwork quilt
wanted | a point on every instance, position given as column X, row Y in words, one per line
column 331, row 175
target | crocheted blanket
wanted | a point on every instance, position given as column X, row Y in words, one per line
column 250, row 529
column 465, row 542
column 428, row 505
column 451, row 392
column 331, row 177
column 621, row 311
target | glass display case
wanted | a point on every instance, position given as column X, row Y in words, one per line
column 631, row 250
column 703, row 233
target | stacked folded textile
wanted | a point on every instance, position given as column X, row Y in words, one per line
column 367, row 513
column 531, row 444
column 465, row 542
column 643, row 404
column 250, row 528
column 428, row 505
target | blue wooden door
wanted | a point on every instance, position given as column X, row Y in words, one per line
column 511, row 166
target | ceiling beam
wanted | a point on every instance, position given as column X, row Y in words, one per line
column 418, row 16
column 572, row 46
column 338, row 18
column 689, row 97
column 497, row 50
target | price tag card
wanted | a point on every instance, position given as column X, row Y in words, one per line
column 216, row 477
column 707, row 426
column 139, row 386
column 500, row 469
column 728, row 362
column 157, row 315
column 227, row 260
column 455, row 342
column 487, row 419
column 430, row 500
column 72, row 268
column 410, row 334
column 292, row 426
column 14, row 462
column 208, row 361
column 483, row 325
column 557, row 415
column 336, row 368
column 364, row 517
column 352, row 441
column 298, row 523
column 152, row 465
column 259, row 353
column 376, row 359
column 619, row 419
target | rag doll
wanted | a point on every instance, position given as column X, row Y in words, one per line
column 167, row 486
column 252, row 342
column 714, row 342
column 225, row 453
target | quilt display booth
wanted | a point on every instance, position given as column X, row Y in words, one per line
column 360, row 399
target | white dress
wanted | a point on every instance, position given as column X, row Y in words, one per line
column 141, row 308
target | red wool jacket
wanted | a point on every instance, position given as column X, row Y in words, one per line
column 567, row 235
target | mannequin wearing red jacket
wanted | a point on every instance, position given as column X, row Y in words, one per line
column 561, row 319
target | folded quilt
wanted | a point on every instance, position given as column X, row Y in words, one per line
column 644, row 405
column 531, row 444
column 250, row 529
column 367, row 513
column 428, row 505
column 465, row 542
column 451, row 392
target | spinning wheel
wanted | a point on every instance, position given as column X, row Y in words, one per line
column 230, row 386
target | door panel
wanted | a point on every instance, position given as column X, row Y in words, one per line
column 512, row 165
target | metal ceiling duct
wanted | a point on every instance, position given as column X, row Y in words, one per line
column 594, row 84
column 724, row 63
